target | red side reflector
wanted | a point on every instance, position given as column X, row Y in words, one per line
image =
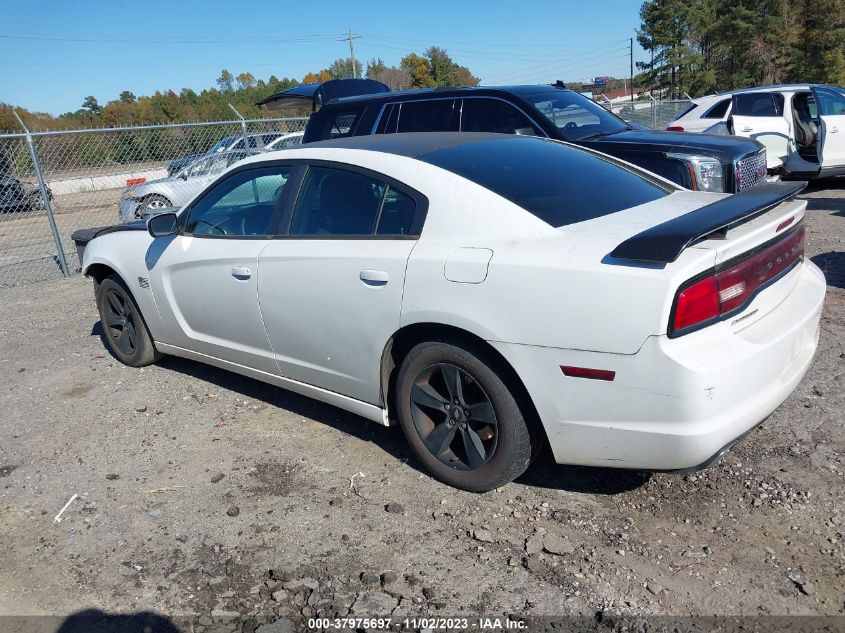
column 586, row 372
column 135, row 181
column 675, row 128
column 785, row 224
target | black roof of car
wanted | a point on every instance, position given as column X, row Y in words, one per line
column 448, row 91
column 415, row 144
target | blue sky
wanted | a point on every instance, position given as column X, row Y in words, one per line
column 53, row 54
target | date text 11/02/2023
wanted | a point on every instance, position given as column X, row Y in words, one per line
column 419, row 624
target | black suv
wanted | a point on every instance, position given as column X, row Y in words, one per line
column 695, row 161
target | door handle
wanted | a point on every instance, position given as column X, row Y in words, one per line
column 241, row 272
column 374, row 278
column 745, row 129
column 834, row 130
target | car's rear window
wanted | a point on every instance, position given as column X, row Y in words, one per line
column 557, row 183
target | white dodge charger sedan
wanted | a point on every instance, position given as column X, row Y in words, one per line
column 493, row 294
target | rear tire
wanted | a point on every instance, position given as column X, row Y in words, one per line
column 460, row 418
column 124, row 329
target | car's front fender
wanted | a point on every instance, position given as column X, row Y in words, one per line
column 124, row 252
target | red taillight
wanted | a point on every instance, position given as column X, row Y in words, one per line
column 728, row 289
column 696, row 303
column 675, row 128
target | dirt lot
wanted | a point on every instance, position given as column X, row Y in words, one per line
column 201, row 492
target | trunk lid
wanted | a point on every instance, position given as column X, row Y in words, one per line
column 755, row 241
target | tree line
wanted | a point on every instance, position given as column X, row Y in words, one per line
column 433, row 68
column 698, row 47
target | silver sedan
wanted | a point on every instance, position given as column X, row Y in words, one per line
column 174, row 191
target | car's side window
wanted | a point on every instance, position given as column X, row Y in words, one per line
column 718, row 111
column 388, row 119
column 434, row 115
column 758, row 104
column 493, row 115
column 337, row 202
column 830, row 103
column 242, row 205
column 397, row 213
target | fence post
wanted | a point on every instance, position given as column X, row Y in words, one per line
column 45, row 196
column 653, row 112
column 243, row 129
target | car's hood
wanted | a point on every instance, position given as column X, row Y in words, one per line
column 686, row 142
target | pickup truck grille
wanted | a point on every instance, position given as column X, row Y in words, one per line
column 751, row 171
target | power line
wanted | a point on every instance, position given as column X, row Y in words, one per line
column 580, row 62
column 505, row 56
column 167, row 40
column 490, row 44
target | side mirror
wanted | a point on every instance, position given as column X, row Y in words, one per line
column 184, row 175
column 163, row 224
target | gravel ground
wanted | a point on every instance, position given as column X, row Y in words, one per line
column 201, row 492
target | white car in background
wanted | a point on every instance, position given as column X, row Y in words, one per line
column 801, row 125
column 458, row 284
column 290, row 140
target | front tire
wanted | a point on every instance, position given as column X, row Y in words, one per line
column 154, row 201
column 124, row 329
column 460, row 418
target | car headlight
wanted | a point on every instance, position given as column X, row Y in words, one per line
column 707, row 172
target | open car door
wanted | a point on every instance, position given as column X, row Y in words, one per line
column 831, row 143
column 315, row 95
column 759, row 115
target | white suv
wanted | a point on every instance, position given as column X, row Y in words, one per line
column 801, row 125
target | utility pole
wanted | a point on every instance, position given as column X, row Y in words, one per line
column 631, row 53
column 352, row 36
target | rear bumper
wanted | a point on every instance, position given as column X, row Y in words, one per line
column 676, row 403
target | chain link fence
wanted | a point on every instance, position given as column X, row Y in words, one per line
column 649, row 112
column 52, row 183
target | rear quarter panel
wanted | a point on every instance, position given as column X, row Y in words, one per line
column 545, row 286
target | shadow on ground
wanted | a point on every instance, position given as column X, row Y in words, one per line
column 817, row 201
column 832, row 265
column 543, row 474
column 96, row 621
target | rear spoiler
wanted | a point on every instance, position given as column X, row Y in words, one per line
column 665, row 242
column 315, row 95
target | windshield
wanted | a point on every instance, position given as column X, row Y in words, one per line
column 223, row 143
column 575, row 116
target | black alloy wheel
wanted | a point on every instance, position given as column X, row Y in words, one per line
column 120, row 322
column 456, row 408
column 124, row 329
column 454, row 416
